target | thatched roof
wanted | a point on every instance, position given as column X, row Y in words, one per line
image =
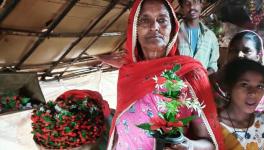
column 62, row 38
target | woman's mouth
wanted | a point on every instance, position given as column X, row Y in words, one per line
column 154, row 37
column 251, row 103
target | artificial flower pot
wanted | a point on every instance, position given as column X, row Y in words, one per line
column 162, row 142
column 74, row 120
column 19, row 92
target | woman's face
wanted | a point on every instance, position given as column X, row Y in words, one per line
column 154, row 29
column 247, row 92
column 246, row 49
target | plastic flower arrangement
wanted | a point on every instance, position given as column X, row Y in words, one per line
column 70, row 121
column 10, row 102
column 173, row 95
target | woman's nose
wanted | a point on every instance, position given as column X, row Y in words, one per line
column 252, row 90
column 192, row 6
column 154, row 26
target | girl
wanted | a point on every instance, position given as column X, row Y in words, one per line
column 242, row 128
column 246, row 44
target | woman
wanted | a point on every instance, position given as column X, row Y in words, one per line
column 151, row 37
column 246, row 44
column 242, row 127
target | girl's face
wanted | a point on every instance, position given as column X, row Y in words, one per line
column 248, row 50
column 247, row 92
column 244, row 49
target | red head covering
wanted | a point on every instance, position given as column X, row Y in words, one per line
column 135, row 78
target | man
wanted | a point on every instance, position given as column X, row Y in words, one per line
column 195, row 39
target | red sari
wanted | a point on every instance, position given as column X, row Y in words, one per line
column 135, row 78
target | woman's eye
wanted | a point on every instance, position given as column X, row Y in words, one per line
column 162, row 20
column 246, row 51
column 143, row 20
column 243, row 84
column 261, row 86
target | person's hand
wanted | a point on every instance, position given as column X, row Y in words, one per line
column 186, row 145
column 116, row 59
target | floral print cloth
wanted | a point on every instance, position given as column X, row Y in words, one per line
column 130, row 137
column 247, row 139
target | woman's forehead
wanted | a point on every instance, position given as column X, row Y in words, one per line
column 243, row 42
column 192, row 1
column 249, row 43
column 154, row 7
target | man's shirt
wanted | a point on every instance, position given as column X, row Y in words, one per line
column 207, row 47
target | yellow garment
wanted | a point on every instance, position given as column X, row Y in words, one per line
column 231, row 142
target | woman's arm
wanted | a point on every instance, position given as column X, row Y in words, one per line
column 200, row 133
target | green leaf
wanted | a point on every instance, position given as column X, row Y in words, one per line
column 161, row 115
column 25, row 100
column 67, row 129
column 186, row 120
column 51, row 126
column 173, row 106
column 51, row 104
column 78, row 118
column 51, row 143
column 145, row 126
column 176, row 68
column 12, row 103
column 180, row 129
column 3, row 100
column 39, row 130
column 47, row 119
column 83, row 133
column 60, row 117
column 174, row 93
column 55, row 134
column 73, row 124
column 38, row 113
column 175, row 130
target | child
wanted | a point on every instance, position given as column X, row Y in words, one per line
column 246, row 44
column 242, row 127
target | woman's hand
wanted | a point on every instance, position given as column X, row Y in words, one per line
column 186, row 145
column 116, row 59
